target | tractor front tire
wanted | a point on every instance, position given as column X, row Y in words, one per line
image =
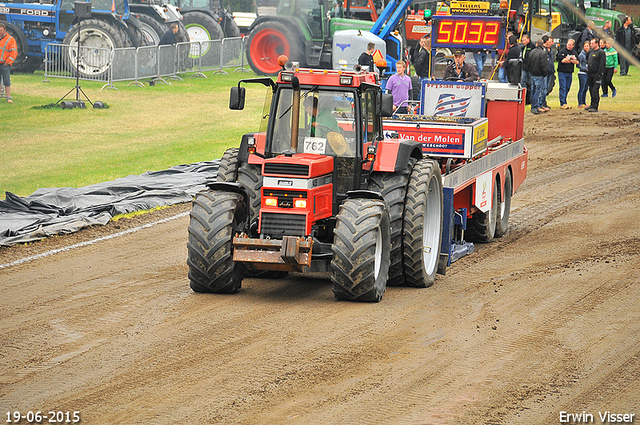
column 504, row 206
column 215, row 217
column 228, row 168
column 269, row 40
column 249, row 176
column 361, row 246
column 152, row 29
column 422, row 224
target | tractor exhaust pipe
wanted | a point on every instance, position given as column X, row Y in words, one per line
column 295, row 110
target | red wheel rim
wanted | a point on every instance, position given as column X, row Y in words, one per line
column 265, row 48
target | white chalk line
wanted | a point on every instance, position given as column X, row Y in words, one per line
column 91, row 242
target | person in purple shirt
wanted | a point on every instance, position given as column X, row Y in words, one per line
column 400, row 86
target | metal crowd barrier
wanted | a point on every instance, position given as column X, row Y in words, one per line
column 153, row 63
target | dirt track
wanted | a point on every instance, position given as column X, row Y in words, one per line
column 541, row 321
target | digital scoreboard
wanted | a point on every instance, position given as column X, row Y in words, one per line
column 468, row 32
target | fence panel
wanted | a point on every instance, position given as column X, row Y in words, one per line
column 148, row 62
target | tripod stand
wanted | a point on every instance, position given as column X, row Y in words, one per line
column 82, row 10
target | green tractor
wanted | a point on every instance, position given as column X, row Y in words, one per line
column 302, row 30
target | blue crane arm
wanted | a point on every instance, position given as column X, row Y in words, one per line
column 389, row 18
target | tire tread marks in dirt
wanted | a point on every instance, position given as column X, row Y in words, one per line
column 393, row 188
column 423, row 207
column 361, row 249
column 210, row 252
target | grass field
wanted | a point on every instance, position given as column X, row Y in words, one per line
column 146, row 129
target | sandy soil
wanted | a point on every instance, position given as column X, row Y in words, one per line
column 542, row 321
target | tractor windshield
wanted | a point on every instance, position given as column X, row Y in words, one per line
column 326, row 122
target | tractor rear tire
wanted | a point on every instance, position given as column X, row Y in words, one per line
column 481, row 227
column 361, row 247
column 203, row 28
column 228, row 168
column 100, row 35
column 504, row 206
column 393, row 187
column 269, row 40
column 215, row 217
column 152, row 29
column 422, row 224
column 231, row 29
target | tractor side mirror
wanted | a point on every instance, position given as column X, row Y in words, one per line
column 387, row 105
column 236, row 98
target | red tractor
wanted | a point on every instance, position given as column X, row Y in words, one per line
column 319, row 188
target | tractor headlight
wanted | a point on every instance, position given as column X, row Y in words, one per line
column 300, row 203
column 271, row 202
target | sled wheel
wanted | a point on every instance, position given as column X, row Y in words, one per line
column 504, row 206
column 481, row 227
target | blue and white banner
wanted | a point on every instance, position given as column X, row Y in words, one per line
column 452, row 99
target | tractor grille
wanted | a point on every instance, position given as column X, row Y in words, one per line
column 278, row 225
column 290, row 169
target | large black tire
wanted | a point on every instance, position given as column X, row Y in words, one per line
column 100, row 35
column 504, row 206
column 228, row 168
column 203, row 28
column 269, row 40
column 481, row 227
column 361, row 246
column 422, row 224
column 151, row 28
column 393, row 188
column 249, row 176
column 215, row 217
column 231, row 29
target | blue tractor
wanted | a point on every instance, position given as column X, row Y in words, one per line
column 109, row 25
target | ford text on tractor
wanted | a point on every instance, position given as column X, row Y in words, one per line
column 333, row 182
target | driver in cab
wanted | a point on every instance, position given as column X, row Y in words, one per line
column 459, row 70
column 321, row 122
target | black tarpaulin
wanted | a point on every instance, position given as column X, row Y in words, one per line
column 53, row 211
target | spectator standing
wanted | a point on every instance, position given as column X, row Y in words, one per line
column 480, row 56
column 607, row 29
column 502, row 69
column 595, row 70
column 514, row 53
column 550, row 79
column 567, row 59
column 610, row 68
column 539, row 68
column 626, row 37
column 588, row 33
column 169, row 37
column 422, row 60
column 459, row 69
column 366, row 58
column 400, row 86
column 525, row 78
column 8, row 55
column 582, row 75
